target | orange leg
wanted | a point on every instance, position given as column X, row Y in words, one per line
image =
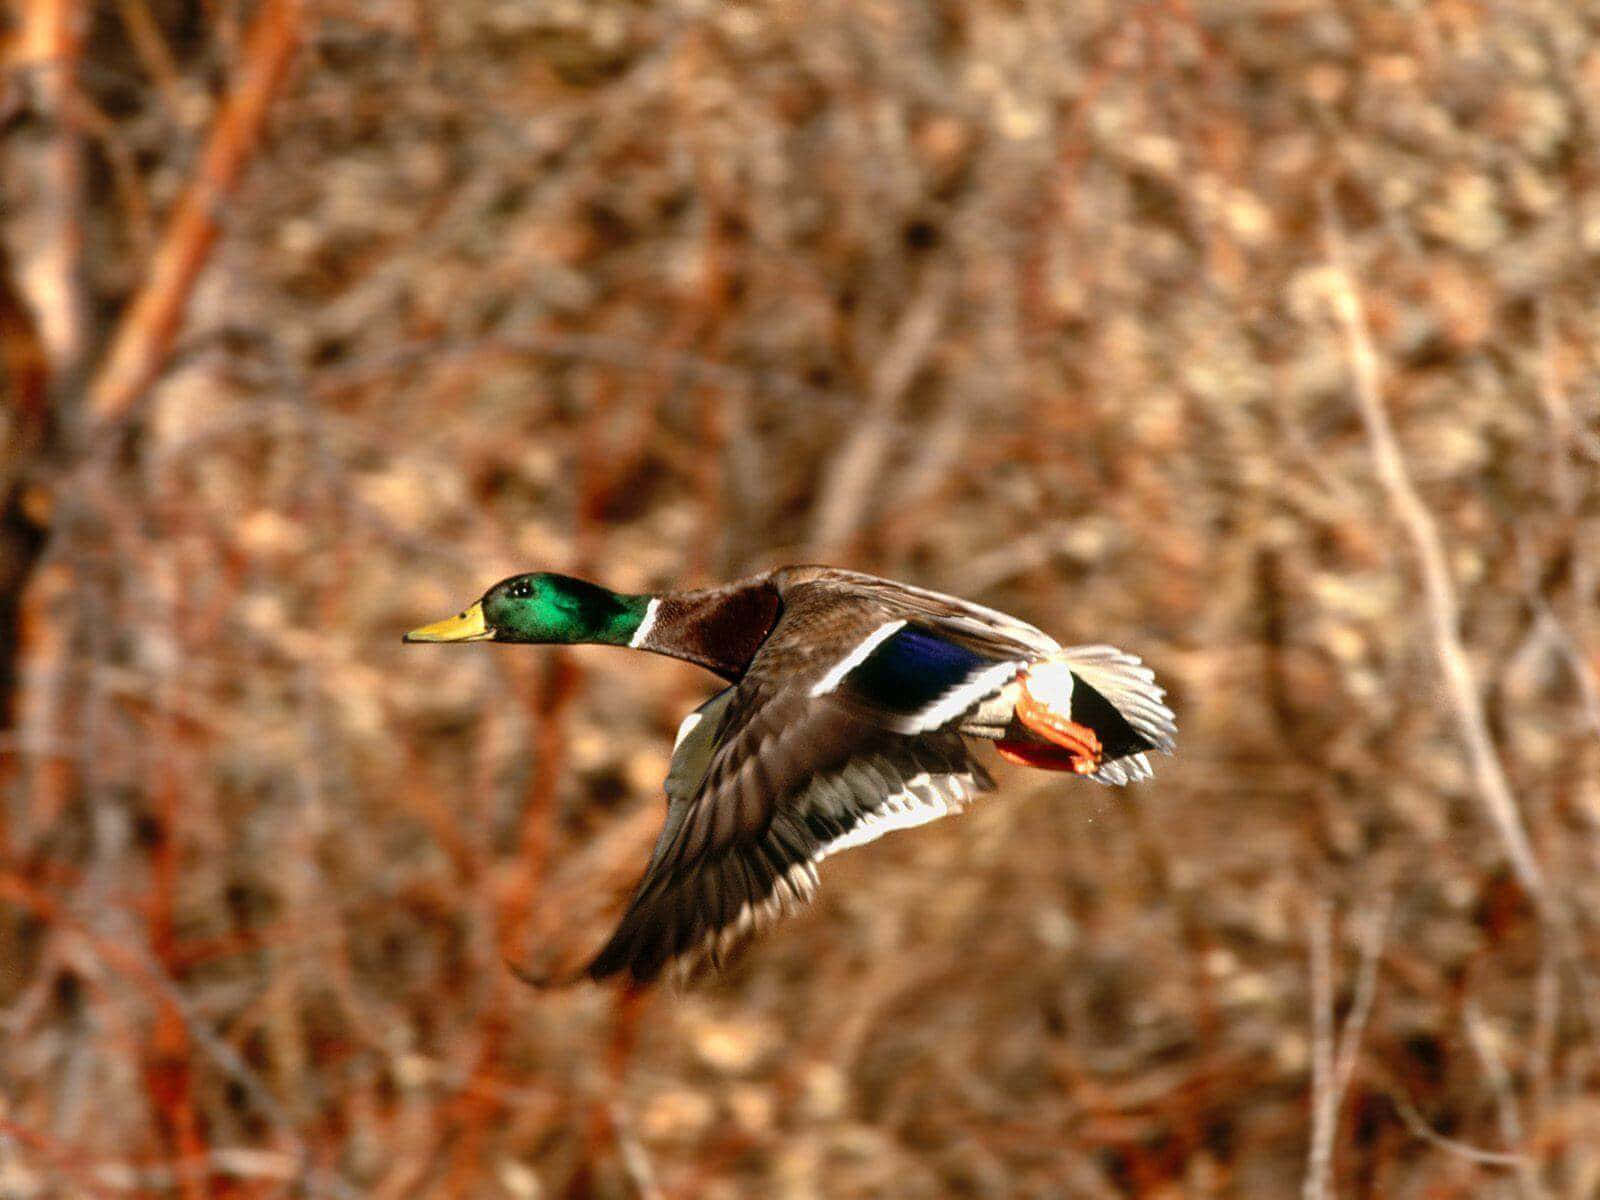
column 1042, row 755
column 1071, row 747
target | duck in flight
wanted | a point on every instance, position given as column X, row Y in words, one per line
column 849, row 706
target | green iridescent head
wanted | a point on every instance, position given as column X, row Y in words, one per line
column 542, row 607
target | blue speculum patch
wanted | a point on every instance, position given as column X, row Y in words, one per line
column 912, row 668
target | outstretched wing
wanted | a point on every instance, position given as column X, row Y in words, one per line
column 915, row 677
column 766, row 782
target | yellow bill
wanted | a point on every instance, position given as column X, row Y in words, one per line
column 467, row 627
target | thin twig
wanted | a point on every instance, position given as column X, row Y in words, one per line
column 611, row 1110
column 1417, row 1124
column 1374, row 922
column 855, row 470
column 1333, row 1065
column 1564, row 431
column 1542, row 1048
column 1549, row 629
column 1494, row 790
column 147, row 328
column 1483, row 1041
column 144, row 34
column 126, row 181
column 1324, row 1106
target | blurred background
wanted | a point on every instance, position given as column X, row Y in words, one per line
column 1260, row 338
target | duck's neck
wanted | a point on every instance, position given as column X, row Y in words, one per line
column 718, row 628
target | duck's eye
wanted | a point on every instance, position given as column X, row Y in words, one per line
column 520, row 590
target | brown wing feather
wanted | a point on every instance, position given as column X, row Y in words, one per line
column 791, row 781
column 985, row 629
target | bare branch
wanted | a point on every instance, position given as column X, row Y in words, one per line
column 1333, row 1065
column 1324, row 1104
column 854, row 471
column 1564, row 438
column 48, row 47
column 1374, row 923
column 1417, row 1124
column 1484, row 1041
column 1444, row 612
column 147, row 328
column 148, row 43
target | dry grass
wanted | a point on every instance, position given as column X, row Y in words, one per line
column 1094, row 312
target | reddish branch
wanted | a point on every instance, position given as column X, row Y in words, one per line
column 40, row 309
column 146, row 331
column 58, row 1157
column 24, row 377
column 558, row 686
column 168, row 1062
column 43, row 642
column 26, row 371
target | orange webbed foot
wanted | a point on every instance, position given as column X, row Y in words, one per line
column 1043, row 756
column 1044, row 699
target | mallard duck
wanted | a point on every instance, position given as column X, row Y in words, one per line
column 849, row 705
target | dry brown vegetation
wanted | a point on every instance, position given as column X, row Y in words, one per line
column 1259, row 338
